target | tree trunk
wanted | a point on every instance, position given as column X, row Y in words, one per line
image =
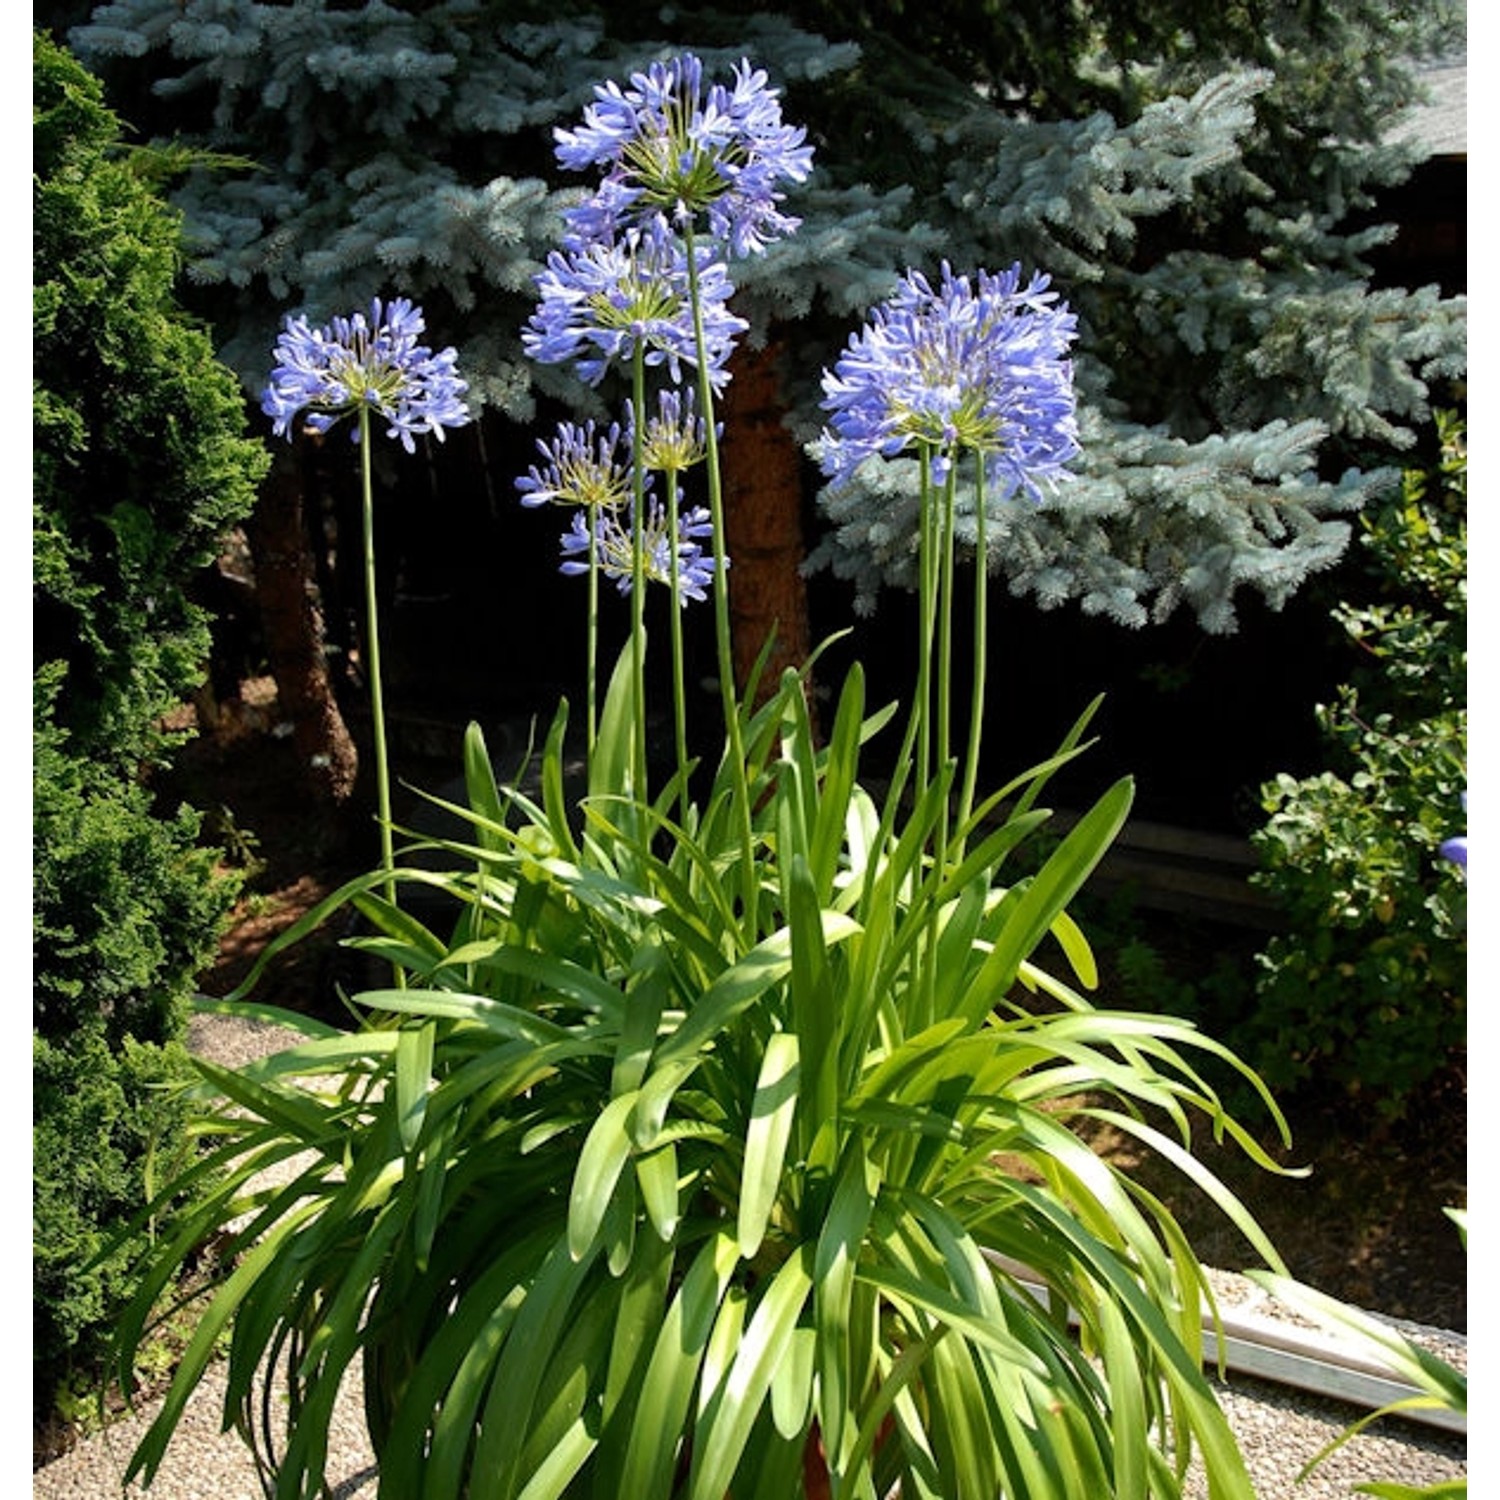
column 293, row 627
column 762, row 520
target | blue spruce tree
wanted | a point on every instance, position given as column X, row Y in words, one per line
column 1186, row 178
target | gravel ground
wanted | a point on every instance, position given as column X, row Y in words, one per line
column 1278, row 1429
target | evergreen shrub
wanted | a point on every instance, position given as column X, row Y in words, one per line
column 139, row 465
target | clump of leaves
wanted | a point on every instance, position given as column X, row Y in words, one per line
column 1367, row 986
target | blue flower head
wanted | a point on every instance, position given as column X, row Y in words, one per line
column 581, row 468
column 977, row 365
column 670, row 147
column 676, row 438
column 615, row 548
column 601, row 301
column 331, row 371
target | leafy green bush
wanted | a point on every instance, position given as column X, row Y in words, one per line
column 138, row 466
column 1367, row 987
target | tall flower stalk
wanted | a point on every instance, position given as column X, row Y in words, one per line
column 367, row 366
column 675, row 441
column 723, row 635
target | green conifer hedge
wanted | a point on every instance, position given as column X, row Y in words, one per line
column 139, row 466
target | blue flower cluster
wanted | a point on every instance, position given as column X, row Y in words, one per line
column 601, row 299
column 614, row 547
column 592, row 470
column 633, row 278
column 375, row 362
column 670, row 148
column 581, row 469
column 977, row 365
column 676, row 438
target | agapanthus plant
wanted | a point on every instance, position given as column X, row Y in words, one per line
column 675, row 440
column 973, row 366
column 367, row 367
column 716, row 1153
column 674, row 156
column 584, row 466
column 676, row 437
column 591, row 469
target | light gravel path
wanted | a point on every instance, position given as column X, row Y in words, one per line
column 1278, row 1429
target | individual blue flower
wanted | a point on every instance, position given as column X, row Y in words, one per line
column 600, row 302
column 614, row 548
column 581, row 468
column 669, row 147
column 331, row 371
column 977, row 365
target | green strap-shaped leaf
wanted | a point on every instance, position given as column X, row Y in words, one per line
column 667, row 1390
column 1192, row 1398
column 726, row 1426
column 550, row 1479
column 553, row 975
column 740, row 986
column 839, row 1242
column 338, row 1052
column 1053, row 886
column 494, row 1015
column 554, row 797
column 641, row 1018
column 201, row 1347
column 483, row 794
column 639, row 1311
column 656, row 1171
column 432, row 1432
column 612, row 757
column 792, row 1385
column 605, row 1151
column 1128, row 1418
column 771, row 1114
column 396, row 924
column 1410, row 1361
column 413, row 1080
column 840, row 766
column 540, row 1326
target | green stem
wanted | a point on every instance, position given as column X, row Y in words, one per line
column 638, row 569
column 591, row 686
column 679, row 691
column 372, row 671
column 981, row 653
column 919, row 723
column 926, row 625
column 721, row 596
column 945, row 651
